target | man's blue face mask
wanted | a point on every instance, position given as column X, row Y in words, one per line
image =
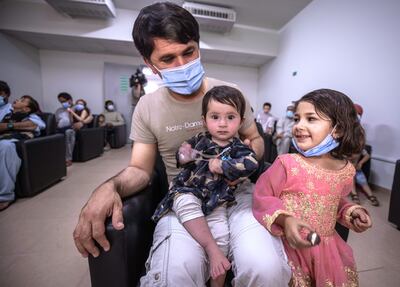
column 328, row 144
column 2, row 101
column 185, row 79
column 66, row 105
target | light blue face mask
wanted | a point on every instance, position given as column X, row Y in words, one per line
column 290, row 114
column 66, row 105
column 185, row 79
column 2, row 101
column 79, row 107
column 328, row 144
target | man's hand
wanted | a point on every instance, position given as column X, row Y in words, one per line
column 104, row 202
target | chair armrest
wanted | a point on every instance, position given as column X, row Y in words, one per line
column 124, row 264
column 118, row 138
column 89, row 143
column 43, row 163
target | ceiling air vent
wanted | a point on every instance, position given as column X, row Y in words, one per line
column 212, row 18
column 84, row 8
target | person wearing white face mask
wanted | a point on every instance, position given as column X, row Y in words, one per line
column 5, row 106
column 283, row 134
column 167, row 36
column 112, row 119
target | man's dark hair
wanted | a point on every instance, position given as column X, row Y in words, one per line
column 267, row 104
column 5, row 88
column 163, row 20
column 107, row 103
column 225, row 95
column 64, row 95
column 33, row 105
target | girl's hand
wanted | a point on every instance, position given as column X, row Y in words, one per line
column 215, row 165
column 292, row 227
column 359, row 166
column 360, row 220
column 69, row 110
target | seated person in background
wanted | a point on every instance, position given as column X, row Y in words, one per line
column 102, row 120
column 21, row 123
column 266, row 119
column 64, row 124
column 212, row 160
column 81, row 115
column 112, row 119
column 358, row 160
column 283, row 136
column 5, row 107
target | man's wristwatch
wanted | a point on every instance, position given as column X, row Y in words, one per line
column 10, row 126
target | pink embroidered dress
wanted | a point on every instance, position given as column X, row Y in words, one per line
column 293, row 186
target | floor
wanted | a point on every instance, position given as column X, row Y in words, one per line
column 36, row 246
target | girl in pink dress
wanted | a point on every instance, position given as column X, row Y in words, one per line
column 306, row 192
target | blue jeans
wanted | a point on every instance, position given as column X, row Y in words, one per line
column 9, row 167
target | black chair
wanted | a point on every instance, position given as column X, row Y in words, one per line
column 89, row 141
column 43, row 160
column 117, row 137
column 270, row 152
column 123, row 265
column 394, row 210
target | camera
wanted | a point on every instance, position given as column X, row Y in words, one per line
column 137, row 78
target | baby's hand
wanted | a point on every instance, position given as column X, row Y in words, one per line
column 360, row 220
column 186, row 153
column 215, row 165
column 292, row 228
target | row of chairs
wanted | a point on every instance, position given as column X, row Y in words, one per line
column 43, row 158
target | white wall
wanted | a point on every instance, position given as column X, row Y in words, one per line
column 20, row 68
column 351, row 46
column 82, row 75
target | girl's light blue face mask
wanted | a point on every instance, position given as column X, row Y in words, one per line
column 185, row 79
column 79, row 107
column 328, row 144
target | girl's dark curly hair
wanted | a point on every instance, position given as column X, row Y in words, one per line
column 339, row 108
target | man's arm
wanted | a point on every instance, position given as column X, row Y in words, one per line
column 106, row 201
column 251, row 137
column 137, row 175
column 19, row 126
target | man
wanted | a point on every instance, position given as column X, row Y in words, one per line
column 167, row 36
column 283, row 136
column 112, row 119
column 65, row 124
column 5, row 106
column 21, row 122
column 266, row 119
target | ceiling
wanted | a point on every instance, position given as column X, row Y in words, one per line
column 266, row 14
column 269, row 14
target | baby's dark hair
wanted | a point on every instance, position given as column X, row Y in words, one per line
column 339, row 108
column 225, row 95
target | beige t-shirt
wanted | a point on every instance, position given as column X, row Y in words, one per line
column 161, row 119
